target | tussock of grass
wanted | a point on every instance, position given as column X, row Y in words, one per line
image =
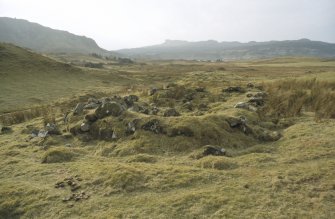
column 290, row 97
column 143, row 158
column 58, row 155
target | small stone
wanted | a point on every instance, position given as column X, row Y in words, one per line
column 42, row 133
column 213, row 150
column 85, row 127
column 242, row 105
column 131, row 128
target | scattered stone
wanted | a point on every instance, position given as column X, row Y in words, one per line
column 78, row 110
column 171, row 112
column 153, row 126
column 85, row 127
column 42, row 134
column 109, row 108
column 52, row 129
column 131, row 128
column 213, row 150
column 234, row 90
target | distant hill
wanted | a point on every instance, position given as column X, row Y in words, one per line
column 212, row 50
column 44, row 39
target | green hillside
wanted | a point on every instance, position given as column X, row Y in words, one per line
column 28, row 79
column 44, row 39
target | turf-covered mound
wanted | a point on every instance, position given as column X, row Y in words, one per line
column 59, row 155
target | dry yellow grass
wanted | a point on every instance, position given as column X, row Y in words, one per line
column 149, row 175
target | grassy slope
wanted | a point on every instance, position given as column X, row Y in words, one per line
column 289, row 178
column 31, row 79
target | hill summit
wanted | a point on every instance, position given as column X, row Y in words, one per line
column 213, row 50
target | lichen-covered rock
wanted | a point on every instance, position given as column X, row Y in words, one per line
column 109, row 108
column 153, row 126
column 78, row 110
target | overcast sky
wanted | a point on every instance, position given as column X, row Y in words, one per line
column 116, row 24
